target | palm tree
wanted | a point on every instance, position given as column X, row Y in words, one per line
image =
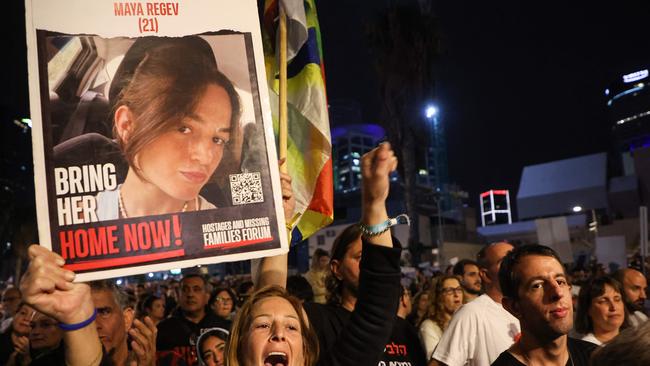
column 405, row 45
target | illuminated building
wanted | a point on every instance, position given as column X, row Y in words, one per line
column 628, row 102
column 495, row 207
column 349, row 144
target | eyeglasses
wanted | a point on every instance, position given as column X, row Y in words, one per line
column 224, row 300
column 451, row 290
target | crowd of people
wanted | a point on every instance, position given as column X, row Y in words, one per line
column 511, row 305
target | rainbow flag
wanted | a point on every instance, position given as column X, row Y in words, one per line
column 309, row 141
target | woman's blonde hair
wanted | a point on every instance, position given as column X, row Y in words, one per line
column 242, row 324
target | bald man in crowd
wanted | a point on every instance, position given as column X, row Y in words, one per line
column 635, row 286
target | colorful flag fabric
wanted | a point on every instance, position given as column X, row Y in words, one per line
column 309, row 141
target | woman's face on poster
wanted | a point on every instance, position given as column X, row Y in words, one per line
column 181, row 161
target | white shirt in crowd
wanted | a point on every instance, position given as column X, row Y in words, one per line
column 637, row 318
column 430, row 334
column 477, row 334
column 590, row 337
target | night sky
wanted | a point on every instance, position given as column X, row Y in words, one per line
column 520, row 83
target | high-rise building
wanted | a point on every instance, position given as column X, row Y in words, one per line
column 629, row 108
column 349, row 144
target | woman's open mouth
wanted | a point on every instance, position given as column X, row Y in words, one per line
column 276, row 359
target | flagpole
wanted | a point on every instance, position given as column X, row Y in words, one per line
column 283, row 125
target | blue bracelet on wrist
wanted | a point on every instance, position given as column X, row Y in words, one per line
column 78, row 326
column 369, row 231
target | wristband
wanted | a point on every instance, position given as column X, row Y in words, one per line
column 369, row 231
column 77, row 326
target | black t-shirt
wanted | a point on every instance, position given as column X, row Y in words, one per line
column 6, row 346
column 360, row 338
column 404, row 347
column 179, row 335
column 579, row 352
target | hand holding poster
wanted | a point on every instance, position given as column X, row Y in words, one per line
column 153, row 147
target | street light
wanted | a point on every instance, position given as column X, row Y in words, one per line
column 577, row 208
column 431, row 111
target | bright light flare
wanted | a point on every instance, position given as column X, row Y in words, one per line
column 431, row 111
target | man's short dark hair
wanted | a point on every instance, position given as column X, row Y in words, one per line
column 196, row 275
column 459, row 268
column 508, row 277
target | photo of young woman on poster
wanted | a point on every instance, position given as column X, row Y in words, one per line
column 153, row 150
column 174, row 117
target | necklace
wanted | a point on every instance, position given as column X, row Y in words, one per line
column 123, row 207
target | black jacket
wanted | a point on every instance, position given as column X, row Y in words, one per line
column 363, row 337
column 179, row 335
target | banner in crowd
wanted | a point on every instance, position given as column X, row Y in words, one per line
column 152, row 135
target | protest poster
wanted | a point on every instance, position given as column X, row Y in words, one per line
column 152, row 135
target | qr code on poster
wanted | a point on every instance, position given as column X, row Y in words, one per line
column 246, row 188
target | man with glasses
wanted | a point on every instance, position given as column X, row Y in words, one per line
column 481, row 329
